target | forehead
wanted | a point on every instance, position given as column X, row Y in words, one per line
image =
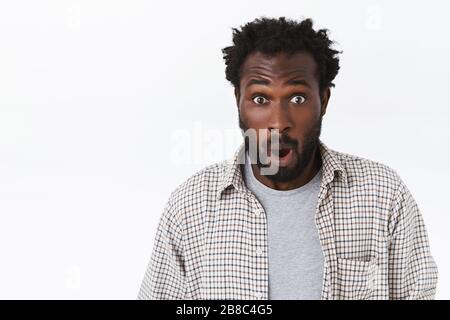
column 280, row 65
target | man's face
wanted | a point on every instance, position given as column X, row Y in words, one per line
column 282, row 92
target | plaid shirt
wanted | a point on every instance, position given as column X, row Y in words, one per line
column 211, row 241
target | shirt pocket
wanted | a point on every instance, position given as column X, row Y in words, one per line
column 356, row 279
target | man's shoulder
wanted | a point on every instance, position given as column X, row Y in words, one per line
column 363, row 170
column 201, row 185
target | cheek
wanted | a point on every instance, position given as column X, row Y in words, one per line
column 257, row 118
column 303, row 118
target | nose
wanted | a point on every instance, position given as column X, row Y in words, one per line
column 280, row 118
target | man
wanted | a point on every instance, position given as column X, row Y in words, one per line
column 323, row 225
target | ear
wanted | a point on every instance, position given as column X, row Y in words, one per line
column 324, row 100
column 237, row 96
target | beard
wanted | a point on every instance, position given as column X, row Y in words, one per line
column 301, row 157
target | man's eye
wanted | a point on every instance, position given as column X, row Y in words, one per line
column 298, row 101
column 258, row 99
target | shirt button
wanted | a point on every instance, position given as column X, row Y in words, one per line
column 258, row 295
column 259, row 251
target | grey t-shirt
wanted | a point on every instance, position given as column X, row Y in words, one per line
column 295, row 253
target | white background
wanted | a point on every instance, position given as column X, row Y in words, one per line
column 97, row 98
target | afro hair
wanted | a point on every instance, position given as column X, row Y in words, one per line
column 271, row 36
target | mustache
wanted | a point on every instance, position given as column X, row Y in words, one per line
column 284, row 143
column 284, row 140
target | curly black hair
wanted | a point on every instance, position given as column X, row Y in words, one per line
column 270, row 36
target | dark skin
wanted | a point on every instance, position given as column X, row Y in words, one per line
column 295, row 108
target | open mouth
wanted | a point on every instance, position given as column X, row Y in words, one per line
column 284, row 152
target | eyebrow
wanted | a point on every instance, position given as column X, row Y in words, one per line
column 265, row 82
